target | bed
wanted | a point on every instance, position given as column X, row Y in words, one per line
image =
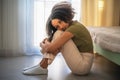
column 106, row 41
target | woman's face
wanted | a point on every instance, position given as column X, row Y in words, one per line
column 59, row 24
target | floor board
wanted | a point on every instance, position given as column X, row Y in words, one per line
column 11, row 69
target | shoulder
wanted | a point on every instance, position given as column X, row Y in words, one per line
column 75, row 26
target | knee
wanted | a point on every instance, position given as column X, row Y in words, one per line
column 57, row 33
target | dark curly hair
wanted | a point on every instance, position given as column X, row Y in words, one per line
column 62, row 11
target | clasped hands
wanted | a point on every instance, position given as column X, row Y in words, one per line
column 46, row 47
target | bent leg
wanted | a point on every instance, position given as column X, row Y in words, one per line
column 49, row 57
column 79, row 63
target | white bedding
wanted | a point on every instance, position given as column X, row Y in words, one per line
column 107, row 37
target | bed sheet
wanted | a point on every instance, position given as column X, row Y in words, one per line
column 106, row 37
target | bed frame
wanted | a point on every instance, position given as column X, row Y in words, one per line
column 112, row 56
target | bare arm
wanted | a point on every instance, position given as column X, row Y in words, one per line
column 57, row 44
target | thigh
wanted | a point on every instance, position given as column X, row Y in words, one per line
column 79, row 63
column 76, row 61
column 71, row 55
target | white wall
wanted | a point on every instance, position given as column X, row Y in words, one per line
column 0, row 24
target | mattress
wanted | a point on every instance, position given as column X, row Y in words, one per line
column 106, row 37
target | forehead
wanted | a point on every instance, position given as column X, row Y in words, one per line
column 55, row 21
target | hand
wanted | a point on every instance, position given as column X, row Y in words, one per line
column 44, row 44
column 44, row 40
column 41, row 45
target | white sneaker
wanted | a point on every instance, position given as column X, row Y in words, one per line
column 29, row 67
column 36, row 70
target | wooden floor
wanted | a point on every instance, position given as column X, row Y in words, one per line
column 11, row 69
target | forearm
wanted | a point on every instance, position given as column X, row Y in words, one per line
column 51, row 47
column 54, row 53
